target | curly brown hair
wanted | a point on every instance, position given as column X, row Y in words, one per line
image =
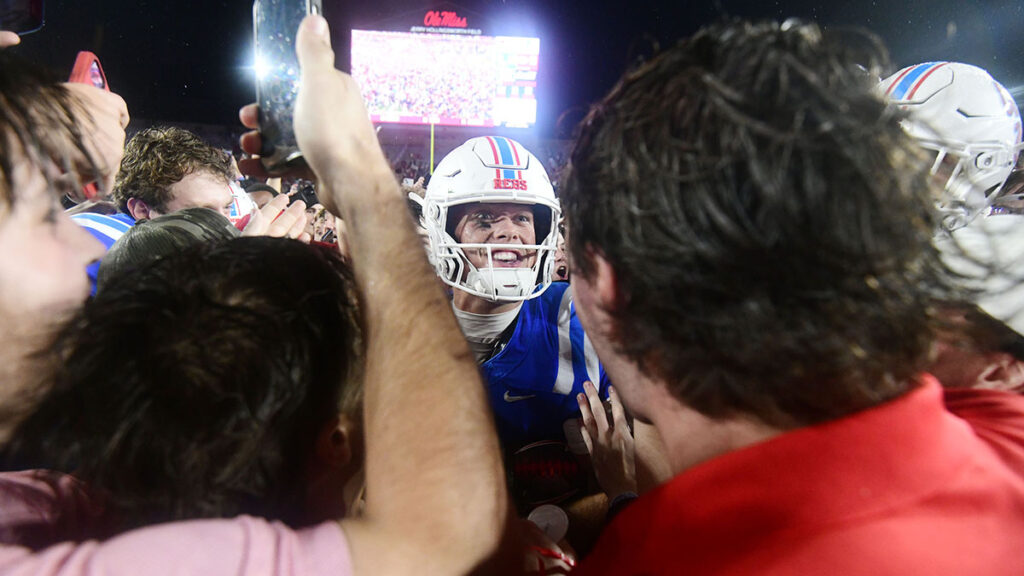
column 159, row 157
column 768, row 222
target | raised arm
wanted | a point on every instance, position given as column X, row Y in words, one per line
column 436, row 492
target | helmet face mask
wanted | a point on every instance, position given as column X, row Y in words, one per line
column 962, row 114
column 972, row 174
column 490, row 170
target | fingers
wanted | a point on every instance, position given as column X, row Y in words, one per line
column 313, row 44
column 588, row 440
column 332, row 126
column 596, row 407
column 279, row 220
column 252, row 167
column 262, row 219
column 250, row 116
column 290, row 223
column 618, row 413
column 8, row 39
column 298, row 227
column 251, row 142
column 611, row 447
column 274, row 208
column 589, row 428
column 257, row 224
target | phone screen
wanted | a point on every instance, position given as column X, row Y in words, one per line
column 275, row 23
column 87, row 70
column 96, row 75
column 21, row 16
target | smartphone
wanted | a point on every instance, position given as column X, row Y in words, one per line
column 21, row 16
column 87, row 70
column 306, row 193
column 275, row 23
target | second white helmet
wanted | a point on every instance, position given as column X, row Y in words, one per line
column 963, row 114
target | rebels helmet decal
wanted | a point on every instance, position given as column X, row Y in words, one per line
column 508, row 165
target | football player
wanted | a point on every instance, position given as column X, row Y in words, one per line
column 971, row 123
column 491, row 216
column 987, row 348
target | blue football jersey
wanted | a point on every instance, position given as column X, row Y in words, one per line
column 533, row 381
column 105, row 228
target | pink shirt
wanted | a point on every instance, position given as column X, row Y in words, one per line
column 31, row 501
column 42, row 507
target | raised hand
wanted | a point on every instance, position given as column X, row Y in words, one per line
column 102, row 118
column 279, row 220
column 610, row 443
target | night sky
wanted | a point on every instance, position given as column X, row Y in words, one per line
column 187, row 60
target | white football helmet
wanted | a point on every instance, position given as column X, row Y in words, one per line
column 963, row 114
column 491, row 169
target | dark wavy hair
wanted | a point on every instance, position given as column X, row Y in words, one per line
column 195, row 387
column 157, row 158
column 767, row 220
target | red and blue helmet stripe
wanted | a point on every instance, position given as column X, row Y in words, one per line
column 506, row 155
column 910, row 79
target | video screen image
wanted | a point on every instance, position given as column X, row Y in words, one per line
column 447, row 79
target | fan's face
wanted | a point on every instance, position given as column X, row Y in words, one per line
column 42, row 273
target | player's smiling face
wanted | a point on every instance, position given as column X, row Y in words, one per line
column 497, row 223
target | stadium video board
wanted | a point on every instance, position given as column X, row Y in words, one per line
column 447, row 79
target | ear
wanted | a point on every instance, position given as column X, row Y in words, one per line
column 603, row 281
column 1004, row 372
column 334, row 443
column 139, row 209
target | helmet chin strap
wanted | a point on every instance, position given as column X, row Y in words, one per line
column 965, row 197
column 502, row 283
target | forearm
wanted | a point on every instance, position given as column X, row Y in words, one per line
column 432, row 454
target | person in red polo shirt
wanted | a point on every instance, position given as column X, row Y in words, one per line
column 750, row 237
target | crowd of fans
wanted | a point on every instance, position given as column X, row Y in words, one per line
column 413, row 165
column 410, row 165
column 770, row 323
column 455, row 79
